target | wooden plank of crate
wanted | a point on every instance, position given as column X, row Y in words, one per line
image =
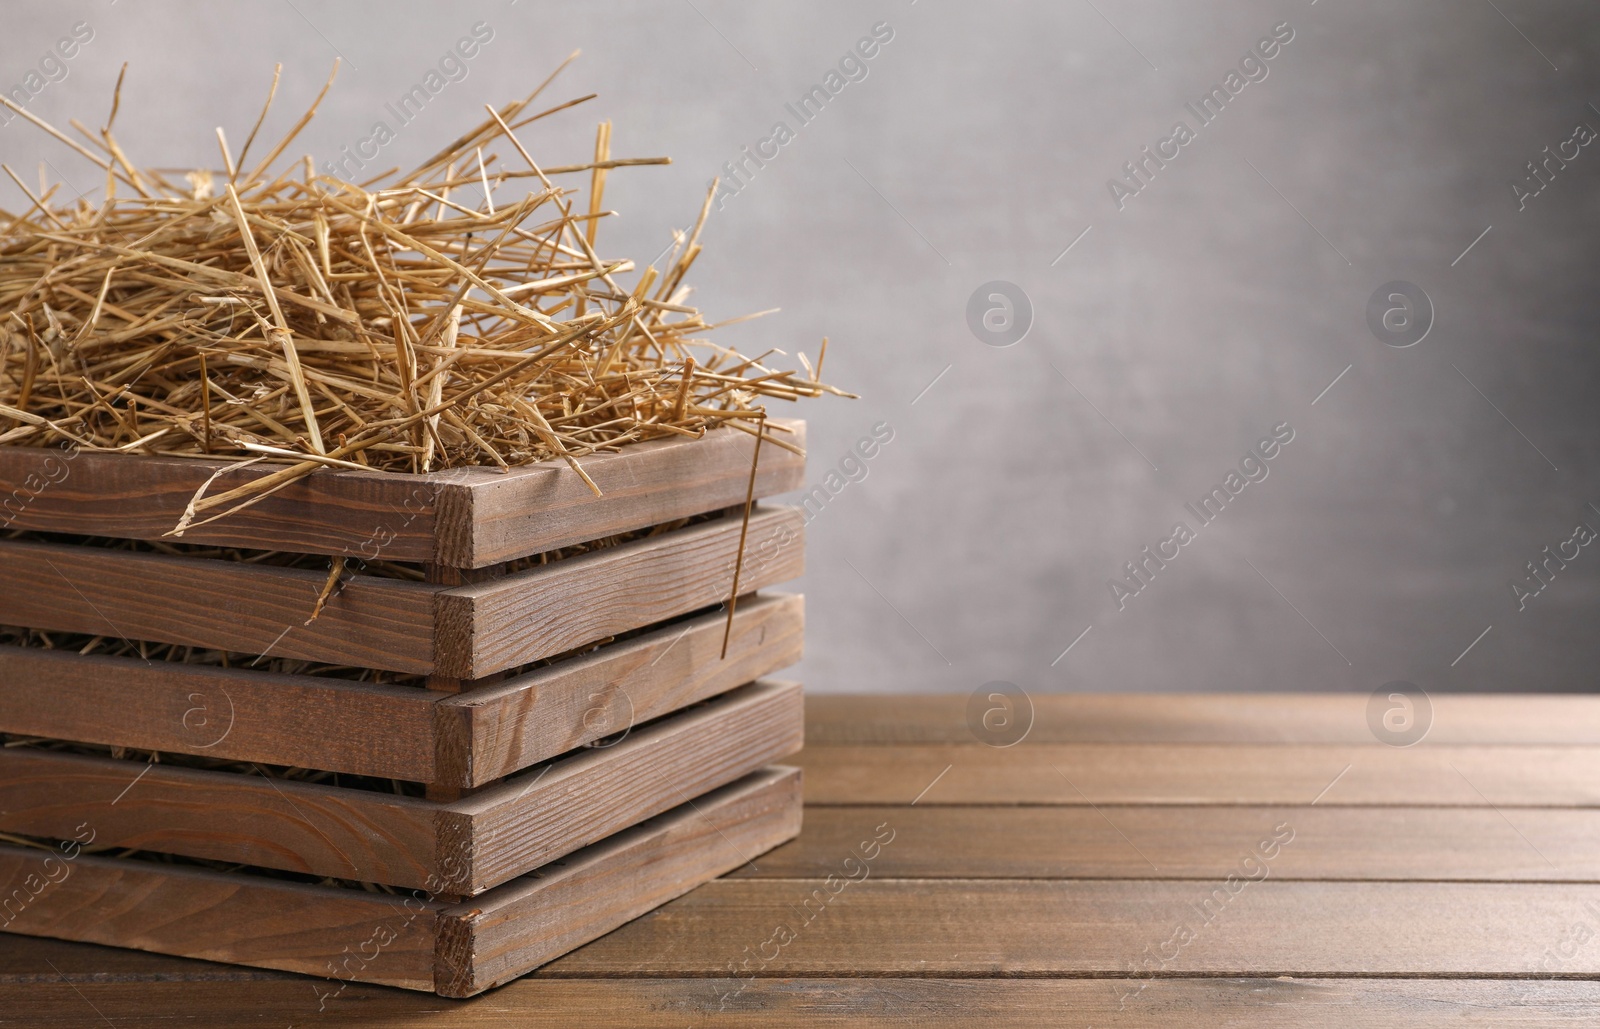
column 464, row 846
column 466, row 632
column 127, row 496
column 398, row 732
column 1076, row 927
column 499, row 936
column 301, row 721
column 531, row 819
column 469, row 517
column 491, row 517
column 228, row 605
column 497, row 730
column 1507, row 718
column 1146, row 842
column 533, row 614
column 220, row 815
column 410, row 941
column 210, row 996
column 1117, row 773
column 195, row 912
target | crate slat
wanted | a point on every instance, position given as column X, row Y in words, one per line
column 463, row 846
column 498, row 936
column 301, row 721
column 467, row 518
column 530, row 819
column 497, row 730
column 414, row 942
column 542, row 507
column 141, row 497
column 393, row 624
column 534, row 614
column 397, row 732
column 225, row 605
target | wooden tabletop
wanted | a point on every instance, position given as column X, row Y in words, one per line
column 1134, row 861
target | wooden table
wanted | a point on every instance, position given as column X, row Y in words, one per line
column 1135, row 861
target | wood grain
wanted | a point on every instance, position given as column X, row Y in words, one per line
column 139, row 497
column 534, row 818
column 393, row 940
column 464, row 740
column 467, row 632
column 1056, row 928
column 486, row 627
column 1149, row 842
column 297, row 720
column 927, row 1003
column 240, row 998
column 223, row 816
column 373, row 622
column 464, row 846
column 1438, row 885
column 1457, row 718
column 501, row 935
column 198, row 913
column 493, row 517
column 468, row 517
column 494, row 731
column 1115, row 773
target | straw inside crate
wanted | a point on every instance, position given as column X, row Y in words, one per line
column 281, row 315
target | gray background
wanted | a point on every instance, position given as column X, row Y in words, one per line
column 1210, row 309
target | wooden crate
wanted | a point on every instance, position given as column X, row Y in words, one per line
column 413, row 940
column 554, row 699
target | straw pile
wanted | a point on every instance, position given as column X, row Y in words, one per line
column 278, row 314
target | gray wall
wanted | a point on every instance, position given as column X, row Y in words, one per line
column 1216, row 305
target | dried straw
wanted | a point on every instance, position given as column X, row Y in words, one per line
column 300, row 320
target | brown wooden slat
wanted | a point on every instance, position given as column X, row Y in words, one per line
column 198, row 913
column 239, row 998
column 372, row 622
column 463, row 739
column 1144, row 842
column 469, row 517
column 1061, row 773
column 22, row 960
column 467, row 632
column 500, row 935
column 138, row 497
column 1031, row 1003
column 497, row 517
column 534, row 818
column 1458, row 718
column 410, row 941
column 297, row 720
column 223, row 816
column 486, row 627
column 494, row 731
column 464, row 846
column 971, row 927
